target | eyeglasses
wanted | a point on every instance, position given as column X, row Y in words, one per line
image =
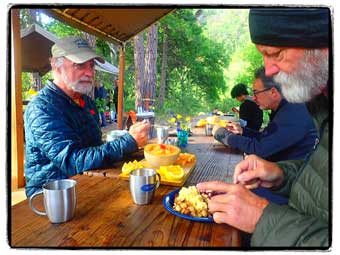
column 256, row 92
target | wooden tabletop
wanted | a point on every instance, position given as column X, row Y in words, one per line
column 107, row 217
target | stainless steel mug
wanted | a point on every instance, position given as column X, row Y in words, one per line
column 143, row 183
column 59, row 200
column 208, row 129
column 115, row 134
column 162, row 134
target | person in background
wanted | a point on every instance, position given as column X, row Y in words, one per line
column 301, row 65
column 251, row 116
column 286, row 120
column 115, row 96
column 63, row 136
column 215, row 112
column 100, row 94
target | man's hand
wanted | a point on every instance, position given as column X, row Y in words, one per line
column 235, row 128
column 216, row 126
column 253, row 172
column 140, row 132
column 237, row 207
column 234, row 109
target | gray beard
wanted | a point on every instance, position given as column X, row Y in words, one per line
column 308, row 80
column 77, row 86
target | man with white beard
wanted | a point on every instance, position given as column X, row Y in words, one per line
column 295, row 47
column 62, row 132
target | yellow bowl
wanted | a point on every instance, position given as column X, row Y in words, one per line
column 161, row 154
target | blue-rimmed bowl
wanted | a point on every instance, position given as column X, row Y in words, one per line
column 168, row 203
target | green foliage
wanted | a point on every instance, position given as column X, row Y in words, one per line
column 195, row 63
column 101, row 104
column 61, row 30
column 103, row 49
column 205, row 60
column 26, row 18
column 26, row 79
column 230, row 26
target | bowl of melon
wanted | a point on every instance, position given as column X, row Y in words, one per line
column 161, row 154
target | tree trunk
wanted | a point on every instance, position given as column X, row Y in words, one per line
column 139, row 69
column 151, row 67
column 163, row 71
column 36, row 81
column 113, row 53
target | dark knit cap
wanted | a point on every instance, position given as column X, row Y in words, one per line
column 290, row 27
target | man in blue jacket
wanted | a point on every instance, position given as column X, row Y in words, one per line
column 63, row 136
column 290, row 134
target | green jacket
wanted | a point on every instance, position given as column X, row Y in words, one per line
column 304, row 221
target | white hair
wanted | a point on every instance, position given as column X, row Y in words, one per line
column 307, row 80
column 76, row 86
column 59, row 61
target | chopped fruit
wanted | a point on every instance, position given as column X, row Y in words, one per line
column 201, row 123
column 130, row 166
column 213, row 120
column 185, row 159
column 171, row 173
column 161, row 149
column 175, row 173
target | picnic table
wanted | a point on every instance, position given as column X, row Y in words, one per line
column 107, row 217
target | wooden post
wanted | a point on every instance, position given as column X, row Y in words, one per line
column 121, row 87
column 17, row 138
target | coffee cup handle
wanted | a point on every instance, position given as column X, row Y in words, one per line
column 32, row 206
column 158, row 180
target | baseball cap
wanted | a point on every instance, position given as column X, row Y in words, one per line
column 75, row 49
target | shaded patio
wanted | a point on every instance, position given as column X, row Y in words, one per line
column 116, row 25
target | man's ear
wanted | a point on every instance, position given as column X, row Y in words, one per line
column 56, row 63
column 275, row 92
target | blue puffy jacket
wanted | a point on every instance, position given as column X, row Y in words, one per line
column 64, row 139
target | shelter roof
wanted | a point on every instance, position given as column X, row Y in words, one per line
column 114, row 24
column 36, row 49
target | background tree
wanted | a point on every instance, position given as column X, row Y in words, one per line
column 139, row 68
column 33, row 81
column 150, row 72
column 205, row 52
column 195, row 64
column 162, row 85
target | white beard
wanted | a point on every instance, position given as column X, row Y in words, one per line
column 76, row 86
column 308, row 80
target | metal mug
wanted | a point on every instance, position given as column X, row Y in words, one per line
column 143, row 183
column 162, row 134
column 208, row 129
column 59, row 200
column 115, row 134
